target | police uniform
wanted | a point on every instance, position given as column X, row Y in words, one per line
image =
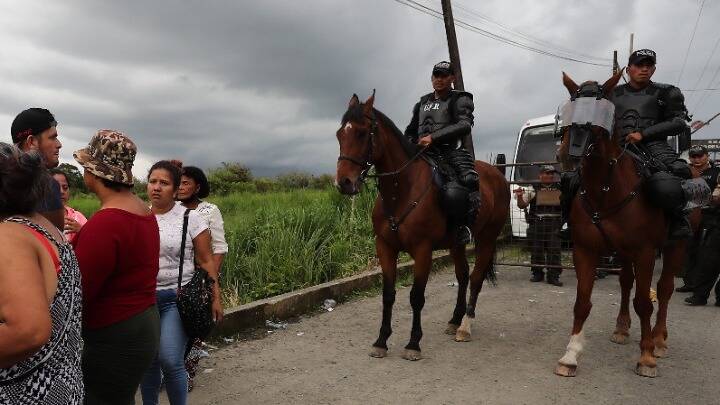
column 449, row 121
column 706, row 267
column 543, row 217
column 658, row 112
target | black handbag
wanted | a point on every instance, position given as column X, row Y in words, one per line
column 194, row 300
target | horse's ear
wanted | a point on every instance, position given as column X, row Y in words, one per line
column 570, row 85
column 610, row 84
column 369, row 103
column 354, row 100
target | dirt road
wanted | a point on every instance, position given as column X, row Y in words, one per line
column 520, row 332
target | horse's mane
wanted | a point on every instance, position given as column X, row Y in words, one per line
column 357, row 114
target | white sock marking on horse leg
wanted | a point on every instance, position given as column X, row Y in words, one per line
column 466, row 325
column 574, row 348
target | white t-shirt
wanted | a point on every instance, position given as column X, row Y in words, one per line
column 211, row 214
column 170, row 224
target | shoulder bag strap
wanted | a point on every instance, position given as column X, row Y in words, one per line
column 182, row 245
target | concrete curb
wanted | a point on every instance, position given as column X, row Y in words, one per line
column 306, row 300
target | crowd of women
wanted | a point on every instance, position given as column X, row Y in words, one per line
column 88, row 308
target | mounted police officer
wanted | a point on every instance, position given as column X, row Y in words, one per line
column 442, row 121
column 543, row 216
column 647, row 114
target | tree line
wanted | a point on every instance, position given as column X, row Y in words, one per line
column 227, row 178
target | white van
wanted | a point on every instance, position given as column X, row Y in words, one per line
column 536, row 143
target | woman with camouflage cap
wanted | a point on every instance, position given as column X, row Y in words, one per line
column 118, row 251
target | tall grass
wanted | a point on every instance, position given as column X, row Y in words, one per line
column 281, row 241
column 290, row 240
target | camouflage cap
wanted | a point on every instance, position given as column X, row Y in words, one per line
column 109, row 155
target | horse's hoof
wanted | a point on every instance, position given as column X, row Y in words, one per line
column 660, row 352
column 462, row 336
column 565, row 371
column 646, row 371
column 412, row 355
column 620, row 338
column 451, row 329
column 378, row 352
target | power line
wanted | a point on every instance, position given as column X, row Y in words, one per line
column 470, row 27
column 707, row 63
column 692, row 90
column 706, row 94
column 528, row 37
column 692, row 37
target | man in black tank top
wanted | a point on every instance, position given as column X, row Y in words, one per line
column 442, row 121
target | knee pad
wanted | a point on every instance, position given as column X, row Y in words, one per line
column 454, row 200
column 665, row 191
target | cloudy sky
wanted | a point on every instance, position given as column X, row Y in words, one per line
column 266, row 82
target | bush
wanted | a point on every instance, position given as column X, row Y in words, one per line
column 265, row 185
column 222, row 178
column 294, row 180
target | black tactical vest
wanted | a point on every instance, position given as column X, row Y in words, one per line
column 434, row 115
column 637, row 110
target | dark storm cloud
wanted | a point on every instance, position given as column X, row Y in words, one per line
column 265, row 83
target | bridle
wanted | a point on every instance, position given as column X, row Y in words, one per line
column 369, row 161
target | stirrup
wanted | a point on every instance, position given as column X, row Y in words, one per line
column 464, row 236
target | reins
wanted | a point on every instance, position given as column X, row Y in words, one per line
column 597, row 216
column 369, row 163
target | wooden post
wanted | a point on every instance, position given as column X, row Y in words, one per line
column 452, row 44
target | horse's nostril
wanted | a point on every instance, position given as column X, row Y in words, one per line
column 346, row 181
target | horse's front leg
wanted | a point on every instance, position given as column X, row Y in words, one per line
column 586, row 261
column 622, row 325
column 421, row 272
column 462, row 273
column 388, row 262
column 644, row 263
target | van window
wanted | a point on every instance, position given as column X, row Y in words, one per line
column 537, row 144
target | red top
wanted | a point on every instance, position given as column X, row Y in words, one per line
column 46, row 244
column 118, row 253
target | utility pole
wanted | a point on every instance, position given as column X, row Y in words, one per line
column 632, row 39
column 452, row 43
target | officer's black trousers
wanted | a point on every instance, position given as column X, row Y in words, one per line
column 661, row 151
column 544, row 246
column 708, row 265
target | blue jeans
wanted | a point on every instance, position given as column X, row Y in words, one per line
column 170, row 358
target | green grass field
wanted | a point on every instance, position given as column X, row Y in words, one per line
column 283, row 241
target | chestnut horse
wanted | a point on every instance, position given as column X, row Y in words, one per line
column 610, row 213
column 407, row 217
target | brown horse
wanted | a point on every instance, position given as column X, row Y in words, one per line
column 612, row 213
column 407, row 217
